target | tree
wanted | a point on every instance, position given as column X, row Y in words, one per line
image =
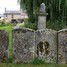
column 56, row 9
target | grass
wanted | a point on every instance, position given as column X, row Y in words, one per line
column 26, row 65
column 33, row 65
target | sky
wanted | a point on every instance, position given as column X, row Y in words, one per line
column 9, row 5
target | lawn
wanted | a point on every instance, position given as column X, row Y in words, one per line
column 32, row 65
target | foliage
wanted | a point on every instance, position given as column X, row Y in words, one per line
column 56, row 9
column 2, row 24
column 37, row 61
column 30, row 25
column 10, row 60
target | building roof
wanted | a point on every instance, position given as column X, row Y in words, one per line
column 12, row 12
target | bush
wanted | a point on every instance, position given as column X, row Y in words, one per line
column 37, row 61
column 29, row 24
column 10, row 60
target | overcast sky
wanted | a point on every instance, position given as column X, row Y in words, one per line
column 9, row 5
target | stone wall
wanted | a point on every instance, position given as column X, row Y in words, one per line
column 3, row 46
column 47, row 38
column 62, row 46
column 26, row 43
column 23, row 43
column 45, row 44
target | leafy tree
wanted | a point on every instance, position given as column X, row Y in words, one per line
column 56, row 9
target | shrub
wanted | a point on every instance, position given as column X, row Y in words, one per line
column 37, row 61
column 10, row 60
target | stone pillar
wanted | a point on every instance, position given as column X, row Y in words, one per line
column 42, row 17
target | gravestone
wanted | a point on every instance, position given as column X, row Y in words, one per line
column 23, row 42
column 3, row 46
column 62, row 46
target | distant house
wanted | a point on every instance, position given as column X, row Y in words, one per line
column 10, row 15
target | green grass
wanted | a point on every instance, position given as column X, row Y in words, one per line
column 33, row 65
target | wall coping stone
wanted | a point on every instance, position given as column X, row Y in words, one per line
column 26, row 29
column 45, row 30
column 63, row 30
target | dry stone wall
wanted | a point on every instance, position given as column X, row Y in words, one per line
column 62, row 46
column 44, row 44
column 23, row 44
column 48, row 38
column 3, row 46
